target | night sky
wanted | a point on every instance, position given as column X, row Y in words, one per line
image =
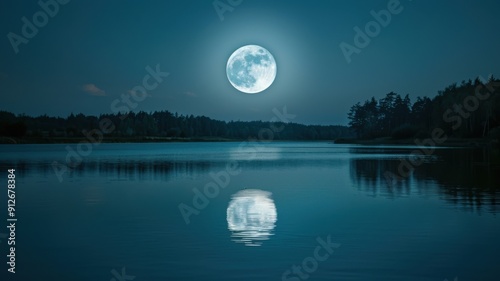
column 91, row 53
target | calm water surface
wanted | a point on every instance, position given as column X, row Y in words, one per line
column 268, row 206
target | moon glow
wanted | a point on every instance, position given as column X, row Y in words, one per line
column 251, row 69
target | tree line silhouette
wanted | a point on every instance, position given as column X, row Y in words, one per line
column 160, row 124
column 454, row 109
column 468, row 110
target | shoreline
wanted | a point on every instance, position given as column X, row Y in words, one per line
column 63, row 140
column 450, row 142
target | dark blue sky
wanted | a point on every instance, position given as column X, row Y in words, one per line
column 90, row 53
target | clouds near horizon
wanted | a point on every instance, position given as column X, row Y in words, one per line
column 93, row 90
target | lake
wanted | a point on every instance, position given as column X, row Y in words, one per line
column 240, row 211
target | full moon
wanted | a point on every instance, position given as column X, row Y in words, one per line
column 251, row 69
